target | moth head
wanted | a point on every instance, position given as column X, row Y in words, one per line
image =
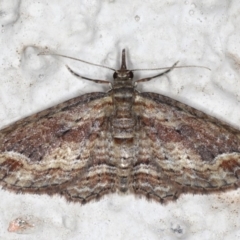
column 123, row 72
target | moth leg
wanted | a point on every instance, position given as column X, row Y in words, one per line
column 158, row 75
column 89, row 79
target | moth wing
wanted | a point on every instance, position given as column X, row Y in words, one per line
column 182, row 149
column 50, row 150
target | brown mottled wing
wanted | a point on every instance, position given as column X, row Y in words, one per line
column 62, row 150
column 182, row 150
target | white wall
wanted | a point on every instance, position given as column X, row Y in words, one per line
column 155, row 34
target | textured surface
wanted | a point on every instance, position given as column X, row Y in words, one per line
column 121, row 141
column 155, row 34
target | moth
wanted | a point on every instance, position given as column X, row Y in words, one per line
column 120, row 141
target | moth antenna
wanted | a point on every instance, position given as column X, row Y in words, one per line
column 153, row 69
column 80, row 60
